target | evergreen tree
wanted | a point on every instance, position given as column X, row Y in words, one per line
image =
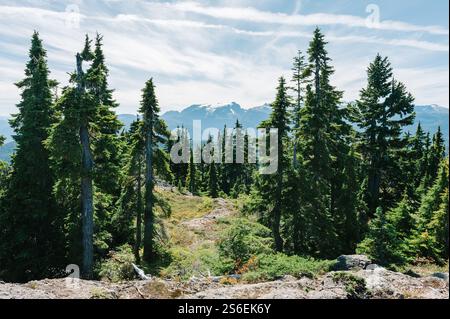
column 299, row 78
column 324, row 140
column 437, row 154
column 131, row 200
column 419, row 154
column 382, row 243
column 212, row 182
column 30, row 238
column 156, row 161
column 86, row 150
column 440, row 229
column 271, row 186
column 426, row 239
column 384, row 108
column 192, row 177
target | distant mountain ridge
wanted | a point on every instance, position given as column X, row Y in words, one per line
column 430, row 117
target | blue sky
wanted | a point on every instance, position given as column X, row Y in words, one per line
column 220, row 51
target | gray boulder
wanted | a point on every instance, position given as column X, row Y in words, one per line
column 352, row 262
column 441, row 275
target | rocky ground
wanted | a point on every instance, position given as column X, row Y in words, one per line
column 372, row 282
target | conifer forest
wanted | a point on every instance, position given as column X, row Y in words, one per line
column 117, row 202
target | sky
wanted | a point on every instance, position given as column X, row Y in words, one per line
column 212, row 52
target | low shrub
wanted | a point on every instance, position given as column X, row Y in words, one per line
column 243, row 239
column 273, row 266
column 203, row 261
column 118, row 266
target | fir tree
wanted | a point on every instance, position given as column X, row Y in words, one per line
column 436, row 154
column 131, row 200
column 384, row 108
column 299, row 78
column 382, row 243
column 192, row 177
column 30, row 245
column 156, row 161
column 270, row 187
column 439, row 228
column 324, row 140
column 85, row 149
column 212, row 181
column 426, row 238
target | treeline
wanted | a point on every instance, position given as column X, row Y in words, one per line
column 79, row 185
column 375, row 189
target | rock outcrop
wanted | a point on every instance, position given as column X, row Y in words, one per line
column 375, row 282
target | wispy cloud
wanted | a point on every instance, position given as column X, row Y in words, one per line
column 204, row 54
column 253, row 15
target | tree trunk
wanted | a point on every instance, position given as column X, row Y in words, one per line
column 139, row 215
column 277, row 218
column 148, row 212
column 87, row 204
column 87, row 197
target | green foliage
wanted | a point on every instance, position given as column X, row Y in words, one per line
column 382, row 243
column 273, row 266
column 203, row 261
column 384, row 108
column 212, row 183
column 244, row 239
column 30, row 236
column 430, row 236
column 154, row 133
column 354, row 286
column 117, row 266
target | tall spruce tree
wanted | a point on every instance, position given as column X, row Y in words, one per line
column 324, row 140
column 85, row 149
column 131, row 200
column 426, row 239
column 269, row 188
column 383, row 110
column 30, row 238
column 155, row 133
column 192, row 176
column 299, row 79
column 436, row 154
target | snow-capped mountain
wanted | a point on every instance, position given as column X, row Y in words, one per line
column 430, row 116
column 217, row 116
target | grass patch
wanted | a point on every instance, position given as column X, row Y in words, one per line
column 186, row 207
column 423, row 268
